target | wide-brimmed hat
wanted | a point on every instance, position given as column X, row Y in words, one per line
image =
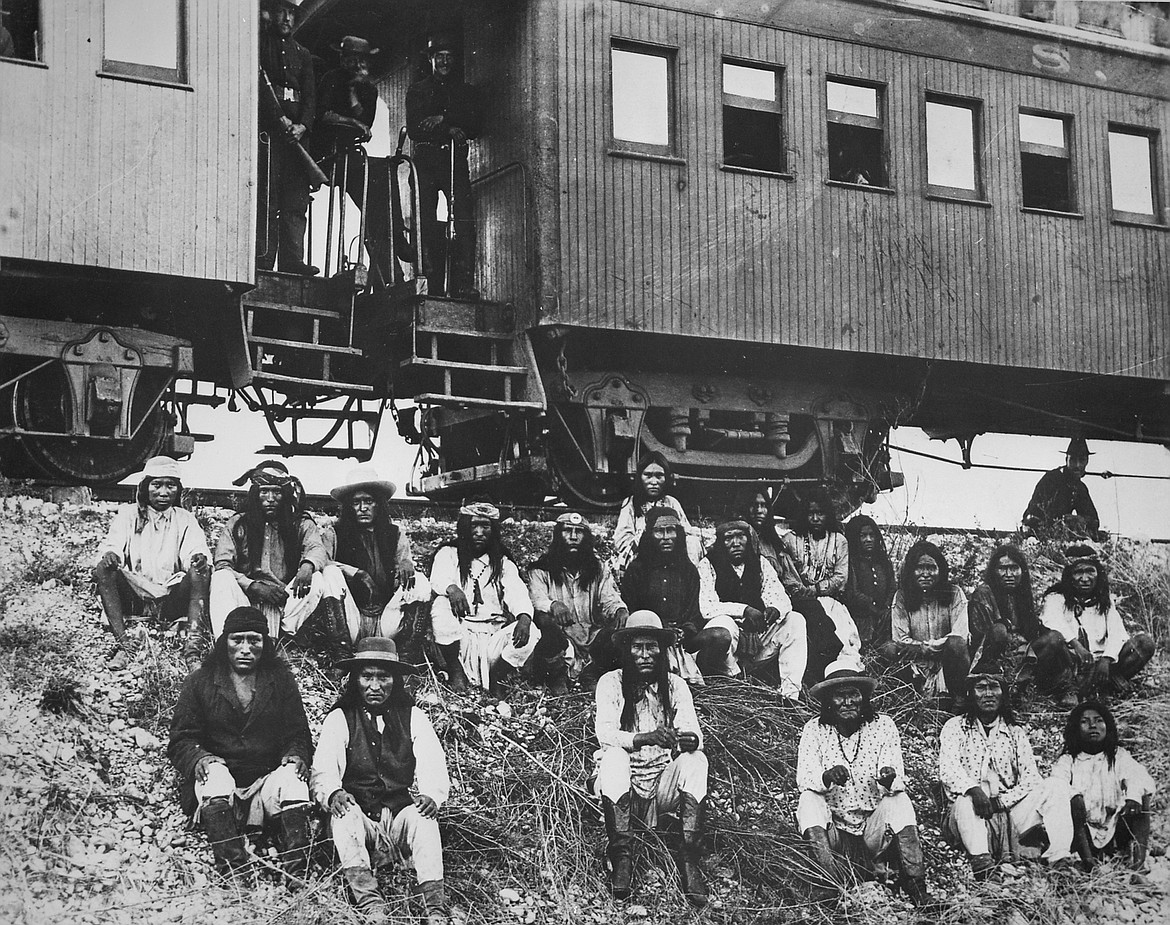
column 644, row 623
column 159, row 467
column 355, row 45
column 1078, row 446
column 376, row 650
column 364, row 478
column 844, row 672
column 441, row 41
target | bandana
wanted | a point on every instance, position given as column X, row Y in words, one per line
column 571, row 517
column 480, row 509
column 1079, row 553
column 269, row 472
column 245, row 620
column 727, row 527
column 662, row 516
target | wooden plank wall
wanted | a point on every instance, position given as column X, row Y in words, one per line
column 691, row 249
column 125, row 175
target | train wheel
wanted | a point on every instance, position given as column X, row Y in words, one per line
column 570, row 447
column 43, row 401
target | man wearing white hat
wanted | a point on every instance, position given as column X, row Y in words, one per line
column 645, row 714
column 374, row 555
column 155, row 557
column 852, row 782
column 381, row 774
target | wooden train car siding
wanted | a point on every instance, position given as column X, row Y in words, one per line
column 690, row 248
column 129, row 175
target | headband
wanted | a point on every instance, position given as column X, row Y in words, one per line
column 571, row 517
column 728, row 526
column 667, row 516
column 480, row 509
column 271, row 472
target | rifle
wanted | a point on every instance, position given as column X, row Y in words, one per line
column 317, row 177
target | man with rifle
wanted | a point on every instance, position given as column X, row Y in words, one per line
column 288, row 94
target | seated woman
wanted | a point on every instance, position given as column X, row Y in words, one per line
column 928, row 624
column 1001, row 617
column 1083, row 642
column 653, row 482
column 757, row 511
column 869, row 590
column 1111, row 791
column 819, row 554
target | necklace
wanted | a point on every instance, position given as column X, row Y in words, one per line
column 841, row 745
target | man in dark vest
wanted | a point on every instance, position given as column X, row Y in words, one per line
column 376, row 745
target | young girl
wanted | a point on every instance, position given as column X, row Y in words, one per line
column 1112, row 790
column 652, row 485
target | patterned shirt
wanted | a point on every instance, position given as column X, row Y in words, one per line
column 874, row 746
column 1105, row 789
column 999, row 759
column 823, row 563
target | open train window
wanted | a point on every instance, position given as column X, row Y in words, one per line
column 20, row 30
column 642, row 81
column 753, row 133
column 1046, row 162
column 952, row 147
column 1132, row 180
column 145, row 39
column 857, row 134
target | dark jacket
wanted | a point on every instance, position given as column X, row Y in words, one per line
column 333, row 95
column 670, row 589
column 1057, row 495
column 288, row 65
column 456, row 101
column 209, row 720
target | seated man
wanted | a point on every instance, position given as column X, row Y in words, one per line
column 852, row 784
column 481, row 614
column 577, row 607
column 155, row 557
column 1001, row 616
column 740, row 593
column 373, row 553
column 270, row 556
column 240, row 741
column 869, row 590
column 662, row 579
column 1061, row 498
column 1083, row 643
column 375, row 747
column 989, row 775
column 1111, row 791
column 644, row 714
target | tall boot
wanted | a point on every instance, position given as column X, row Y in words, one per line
column 366, row 897
column 556, row 676
column 621, row 845
column 198, row 621
column 496, row 675
column 294, row 839
column 692, row 814
column 227, row 844
column 822, row 856
column 434, row 898
column 456, row 677
column 338, row 643
column 913, row 866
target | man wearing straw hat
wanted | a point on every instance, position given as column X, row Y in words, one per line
column 852, row 783
column 240, row 741
column 651, row 757
column 577, row 607
column 373, row 553
column 988, row 771
column 481, row 615
column 270, row 556
column 741, row 594
column 154, row 558
column 1061, row 496
column 381, row 773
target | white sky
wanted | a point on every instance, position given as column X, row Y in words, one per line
column 142, row 31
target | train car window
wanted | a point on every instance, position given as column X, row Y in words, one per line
column 1102, row 17
column 20, row 30
column 1132, row 156
column 1046, row 162
column 857, row 135
column 952, row 147
column 753, row 136
column 642, row 83
column 145, row 39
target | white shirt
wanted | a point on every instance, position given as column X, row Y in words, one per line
column 772, row 592
column 510, row 589
column 163, row 547
column 1105, row 789
column 1106, row 631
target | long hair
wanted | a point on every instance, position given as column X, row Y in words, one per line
column 868, row 713
column 1072, row 730
column 632, row 689
column 497, row 552
column 752, row 581
column 248, row 531
column 1099, row 598
column 217, row 659
column 1006, row 711
column 1019, row 601
column 820, row 496
column 766, row 533
column 881, row 554
column 648, row 547
column 943, row 591
column 556, row 560
column 142, row 498
column 350, row 548
column 639, row 493
column 351, row 694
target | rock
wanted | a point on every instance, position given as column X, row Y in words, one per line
column 144, row 739
column 504, row 710
column 637, row 912
column 509, row 895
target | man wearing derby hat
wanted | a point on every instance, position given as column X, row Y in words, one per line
column 240, row 741
column 989, row 774
column 442, row 114
column 155, row 557
column 651, row 752
column 852, row 782
column 373, row 553
column 1061, row 493
column 381, row 774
